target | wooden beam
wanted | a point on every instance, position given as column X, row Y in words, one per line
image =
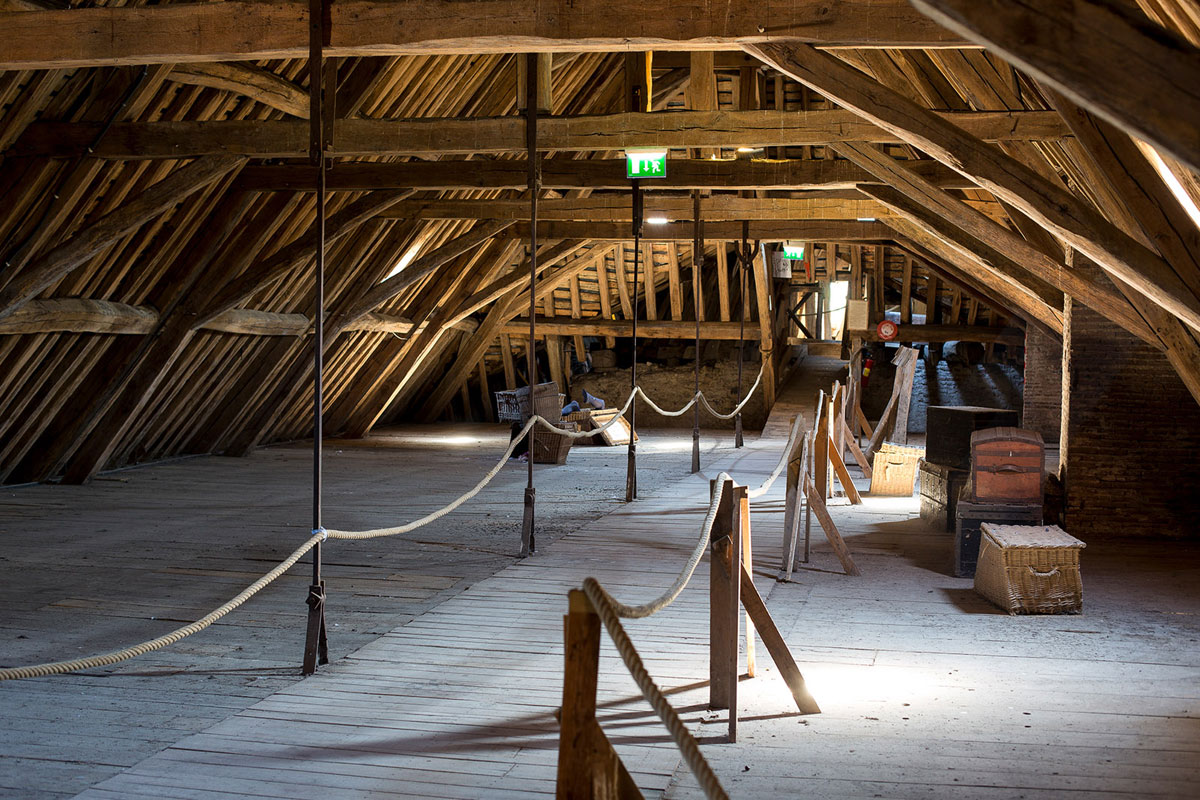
column 763, row 295
column 422, row 267
column 660, row 329
column 443, row 136
column 950, row 333
column 617, row 208
column 978, row 269
column 765, row 231
column 56, row 264
column 84, row 315
column 1103, row 54
column 79, row 315
column 573, row 173
column 296, row 253
column 246, row 80
column 1049, row 205
column 1023, row 260
column 250, row 31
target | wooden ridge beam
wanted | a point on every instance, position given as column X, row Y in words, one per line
column 246, row 31
column 618, row 208
column 658, row 329
column 1103, row 54
column 442, row 136
column 566, row 173
column 681, row 231
column 57, row 263
column 1051, row 206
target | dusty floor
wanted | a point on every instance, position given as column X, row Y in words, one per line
column 140, row 552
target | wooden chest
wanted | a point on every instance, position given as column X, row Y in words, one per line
column 969, row 520
column 940, row 488
column 1030, row 569
column 948, row 431
column 1007, row 466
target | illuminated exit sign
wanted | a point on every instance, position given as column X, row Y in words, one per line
column 793, row 251
column 645, row 163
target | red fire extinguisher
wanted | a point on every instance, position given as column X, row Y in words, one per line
column 866, row 372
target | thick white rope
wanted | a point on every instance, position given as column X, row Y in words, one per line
column 685, row 575
column 117, row 656
column 797, row 427
column 606, row 608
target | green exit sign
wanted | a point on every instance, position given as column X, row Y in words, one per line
column 646, row 164
column 793, row 251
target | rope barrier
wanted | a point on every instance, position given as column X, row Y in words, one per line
column 324, row 534
column 117, row 656
column 604, row 605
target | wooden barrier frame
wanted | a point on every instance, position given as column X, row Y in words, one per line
column 731, row 588
column 588, row 766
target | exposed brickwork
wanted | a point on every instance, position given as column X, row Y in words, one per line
column 1042, row 407
column 1133, row 438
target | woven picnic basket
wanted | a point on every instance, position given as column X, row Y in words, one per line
column 1030, row 569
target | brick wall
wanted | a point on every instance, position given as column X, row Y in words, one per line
column 1042, row 404
column 1133, row 455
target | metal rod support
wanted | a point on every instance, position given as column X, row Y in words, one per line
column 528, row 535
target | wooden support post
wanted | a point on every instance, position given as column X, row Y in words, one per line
column 485, row 395
column 724, row 604
column 588, row 768
column 747, row 564
column 821, row 450
column 756, row 610
column 797, row 477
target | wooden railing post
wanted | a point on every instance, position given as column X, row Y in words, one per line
column 725, row 603
column 585, row 770
column 743, row 512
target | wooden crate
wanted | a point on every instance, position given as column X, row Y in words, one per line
column 1030, row 569
column 948, row 431
column 1007, row 466
column 549, row 448
column 969, row 520
column 940, row 487
column 894, row 470
column 512, row 405
column 590, row 419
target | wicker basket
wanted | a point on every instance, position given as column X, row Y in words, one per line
column 549, row 448
column 1030, row 569
column 512, row 405
column 894, row 470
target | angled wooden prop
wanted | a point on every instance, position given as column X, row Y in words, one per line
column 1103, row 54
column 1051, row 206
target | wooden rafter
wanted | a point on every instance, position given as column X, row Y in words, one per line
column 1008, row 179
column 1103, row 54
